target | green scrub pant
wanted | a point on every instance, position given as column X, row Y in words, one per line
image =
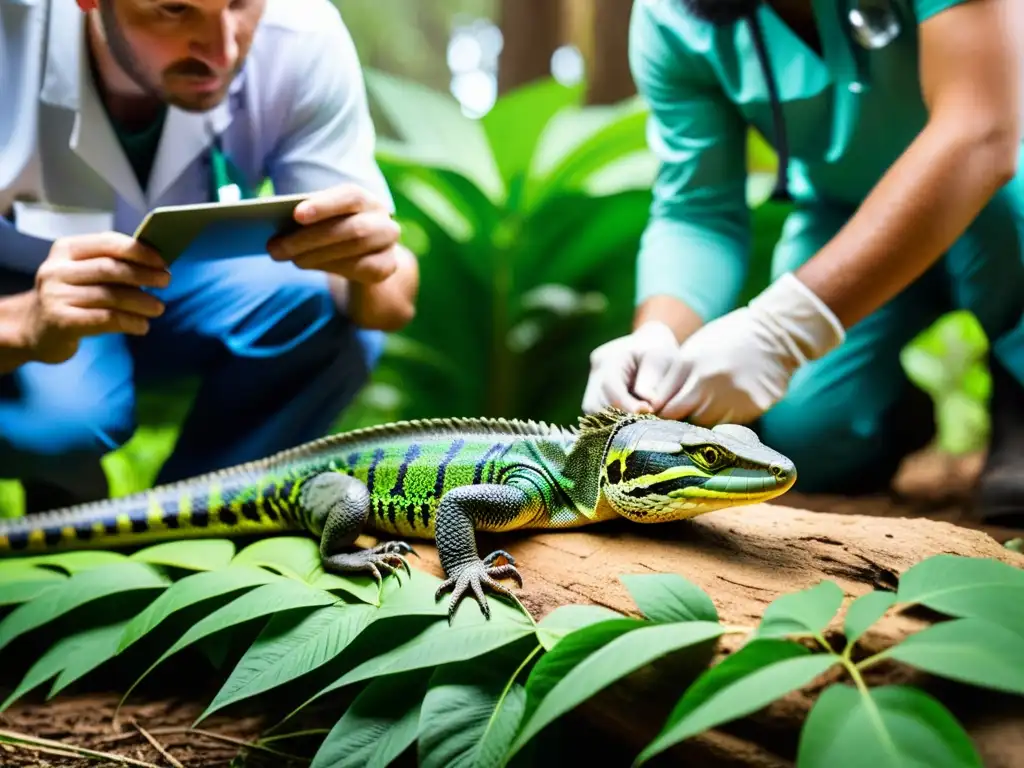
column 849, row 418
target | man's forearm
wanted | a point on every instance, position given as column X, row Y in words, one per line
column 916, row 212
column 673, row 312
column 389, row 305
column 14, row 349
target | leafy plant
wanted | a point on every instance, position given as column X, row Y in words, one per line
column 276, row 628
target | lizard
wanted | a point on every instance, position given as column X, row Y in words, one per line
column 442, row 478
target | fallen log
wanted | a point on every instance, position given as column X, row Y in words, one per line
column 745, row 558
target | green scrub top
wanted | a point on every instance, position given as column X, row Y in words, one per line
column 849, row 114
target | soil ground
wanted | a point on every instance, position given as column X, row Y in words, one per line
column 929, row 485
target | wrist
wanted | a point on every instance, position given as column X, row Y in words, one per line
column 16, row 346
column 668, row 311
column 798, row 318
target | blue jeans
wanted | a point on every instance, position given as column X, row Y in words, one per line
column 849, row 418
column 278, row 364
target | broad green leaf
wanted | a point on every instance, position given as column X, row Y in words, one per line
column 966, row 587
column 610, row 662
column 568, row 618
column 291, row 645
column 570, row 651
column 298, row 557
column 892, row 726
column 739, row 689
column 974, row 651
column 80, row 589
column 266, row 600
column 46, row 666
column 517, row 120
column 14, row 572
column 411, row 596
column 469, row 716
column 19, row 584
column 469, row 636
column 806, row 612
column 865, row 611
column 17, row 592
column 95, row 647
column 74, row 562
column 194, row 588
column 455, row 141
column 379, row 725
column 192, row 555
column 669, row 597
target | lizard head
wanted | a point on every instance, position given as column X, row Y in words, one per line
column 656, row 470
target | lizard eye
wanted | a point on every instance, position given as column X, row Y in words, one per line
column 709, row 455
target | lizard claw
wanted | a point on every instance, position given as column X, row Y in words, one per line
column 477, row 575
column 388, row 557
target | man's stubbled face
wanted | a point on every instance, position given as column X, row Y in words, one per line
column 183, row 53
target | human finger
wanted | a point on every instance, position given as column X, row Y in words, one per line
column 111, row 270
column 121, row 298
column 347, row 236
column 335, row 201
column 654, row 364
column 93, row 321
column 114, row 245
column 371, row 268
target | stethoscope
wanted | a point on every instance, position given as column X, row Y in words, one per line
column 874, row 24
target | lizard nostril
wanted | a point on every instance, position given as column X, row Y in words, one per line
column 778, row 471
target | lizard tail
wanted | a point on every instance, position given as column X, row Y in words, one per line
column 231, row 507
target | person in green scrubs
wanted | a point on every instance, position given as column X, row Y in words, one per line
column 898, row 129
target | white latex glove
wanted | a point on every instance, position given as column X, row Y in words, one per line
column 625, row 372
column 739, row 365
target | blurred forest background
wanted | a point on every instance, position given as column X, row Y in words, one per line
column 514, row 143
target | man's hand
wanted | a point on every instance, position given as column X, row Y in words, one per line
column 738, row 366
column 625, row 372
column 346, row 232
column 89, row 285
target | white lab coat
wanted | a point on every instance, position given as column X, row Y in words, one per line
column 296, row 113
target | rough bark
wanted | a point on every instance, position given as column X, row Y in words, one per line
column 745, row 558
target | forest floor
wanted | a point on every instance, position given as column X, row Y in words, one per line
column 929, row 485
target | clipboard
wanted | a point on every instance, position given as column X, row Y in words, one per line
column 223, row 229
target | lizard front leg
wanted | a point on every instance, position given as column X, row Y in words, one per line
column 461, row 511
column 339, row 506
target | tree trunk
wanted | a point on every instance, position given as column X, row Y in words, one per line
column 745, row 558
column 610, row 79
column 531, row 30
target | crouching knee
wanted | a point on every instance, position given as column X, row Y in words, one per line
column 836, row 450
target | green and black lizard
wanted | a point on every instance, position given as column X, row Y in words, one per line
column 441, row 479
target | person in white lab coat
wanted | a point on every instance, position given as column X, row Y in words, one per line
column 126, row 105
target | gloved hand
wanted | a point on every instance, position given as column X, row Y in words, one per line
column 739, row 365
column 625, row 372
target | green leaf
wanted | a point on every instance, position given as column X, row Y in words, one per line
column 193, row 589
column 568, row 618
column 806, row 612
column 96, row 646
column 46, row 666
column 83, row 587
column 610, row 662
column 865, row 611
column 290, row 645
column 570, row 651
column 743, row 685
column 379, row 725
column 966, row 587
column 192, row 555
column 266, row 600
column 298, row 557
column 669, row 597
column 469, row 636
column 974, row 651
column 74, row 562
column 19, row 584
column 890, row 726
column 469, row 716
